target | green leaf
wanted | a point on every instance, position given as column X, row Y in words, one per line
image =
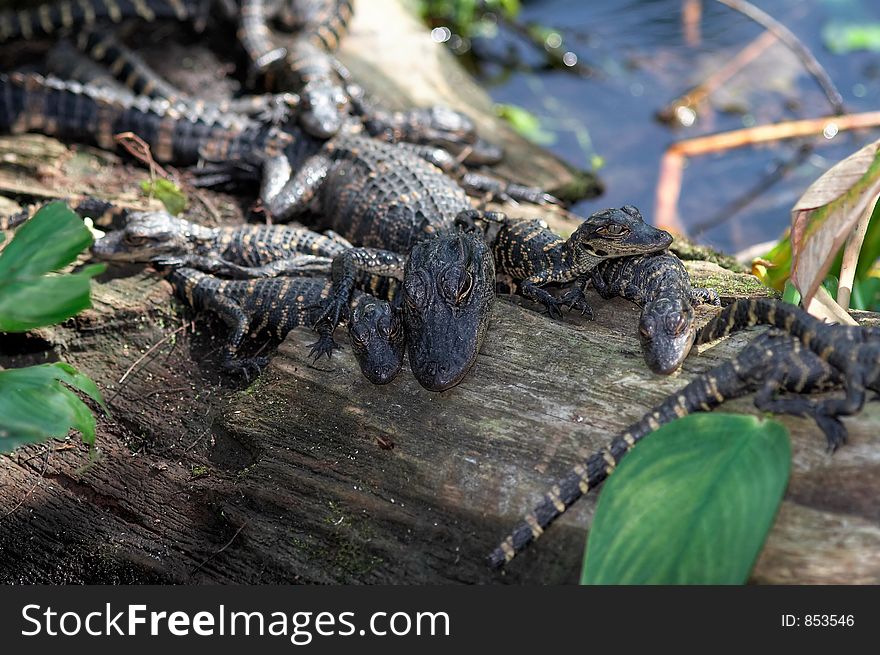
column 791, row 295
column 692, row 504
column 49, row 241
column 866, row 294
column 30, row 296
column 831, row 283
column 841, row 38
column 168, row 193
column 37, row 403
column 525, row 123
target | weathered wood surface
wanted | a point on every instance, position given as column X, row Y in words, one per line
column 293, row 479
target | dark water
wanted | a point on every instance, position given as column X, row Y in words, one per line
column 642, row 61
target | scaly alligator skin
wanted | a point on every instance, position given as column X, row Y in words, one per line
column 130, row 70
column 448, row 290
column 48, row 18
column 308, row 66
column 278, row 305
column 374, row 194
column 299, row 172
column 533, row 255
column 243, row 251
column 262, row 251
column 660, row 284
column 853, row 351
column 770, row 364
column 175, row 134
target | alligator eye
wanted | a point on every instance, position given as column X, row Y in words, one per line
column 647, row 331
column 613, row 230
column 678, row 323
column 134, row 240
column 359, row 337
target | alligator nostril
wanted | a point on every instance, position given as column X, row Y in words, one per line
column 431, row 368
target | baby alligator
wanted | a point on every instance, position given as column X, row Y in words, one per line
column 241, row 251
column 853, row 351
column 533, row 255
column 771, row 363
column 660, row 284
column 259, row 251
column 278, row 305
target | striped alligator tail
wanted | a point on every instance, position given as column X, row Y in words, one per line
column 762, row 311
column 702, row 394
column 48, row 18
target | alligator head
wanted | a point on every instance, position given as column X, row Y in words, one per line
column 617, row 233
column 448, row 288
column 377, row 338
column 666, row 331
column 149, row 235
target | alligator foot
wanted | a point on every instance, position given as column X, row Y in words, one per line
column 325, row 345
column 835, row 432
column 553, row 308
column 574, row 298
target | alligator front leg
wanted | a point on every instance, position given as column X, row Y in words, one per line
column 530, row 289
column 575, row 298
column 238, row 322
column 478, row 184
column 285, row 193
column 347, row 267
column 469, row 220
column 800, row 405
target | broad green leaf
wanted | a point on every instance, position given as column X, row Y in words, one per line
column 32, row 302
column 692, row 503
column 30, row 294
column 38, row 403
column 47, row 242
column 828, row 212
column 168, row 193
column 866, row 294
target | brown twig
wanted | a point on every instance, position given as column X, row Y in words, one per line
column 152, row 348
column 787, row 37
column 215, row 553
column 672, row 163
column 691, row 13
column 34, row 486
column 140, row 150
column 698, row 94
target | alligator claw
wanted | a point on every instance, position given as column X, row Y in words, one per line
column 325, row 345
column 552, row 308
column 574, row 298
column 834, row 430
